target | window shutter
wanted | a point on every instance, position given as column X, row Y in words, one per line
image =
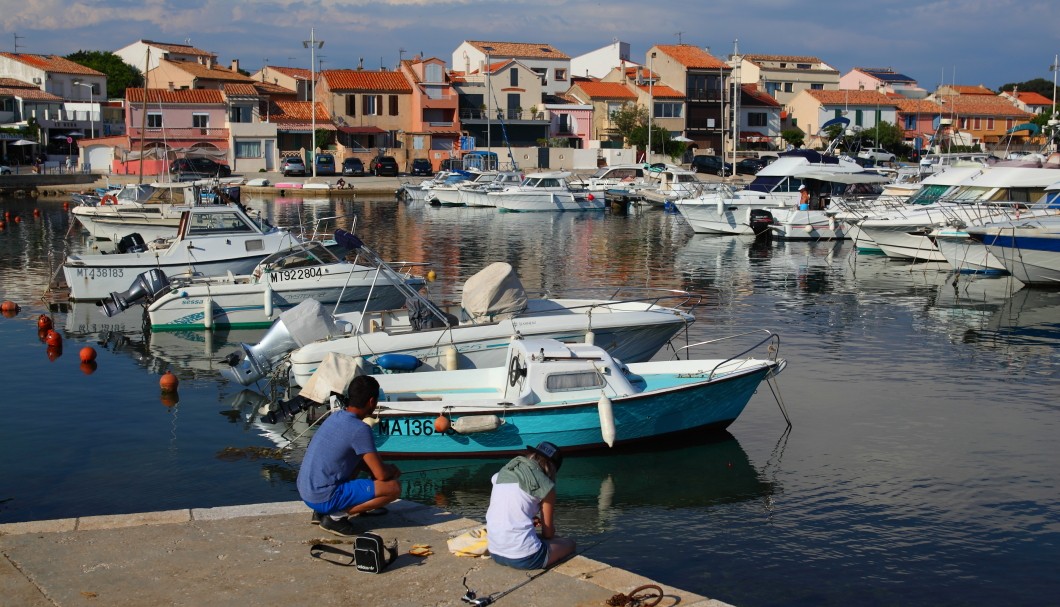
column 351, row 105
column 393, row 105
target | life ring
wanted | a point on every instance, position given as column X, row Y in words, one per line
column 108, row 199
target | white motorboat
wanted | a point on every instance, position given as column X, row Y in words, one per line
column 477, row 195
column 1028, row 248
column 447, row 193
column 150, row 210
column 985, row 195
column 280, row 282
column 545, row 192
column 771, row 200
column 210, row 240
column 475, row 333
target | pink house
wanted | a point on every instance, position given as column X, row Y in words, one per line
column 171, row 124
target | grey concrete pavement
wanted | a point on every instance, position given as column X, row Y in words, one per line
column 260, row 555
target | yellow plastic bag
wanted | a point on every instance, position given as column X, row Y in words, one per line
column 469, row 543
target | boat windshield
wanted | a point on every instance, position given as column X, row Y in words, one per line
column 312, row 254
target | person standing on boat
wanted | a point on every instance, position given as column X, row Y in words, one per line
column 524, row 496
column 342, row 448
column 804, row 197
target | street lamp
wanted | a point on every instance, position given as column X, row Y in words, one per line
column 651, row 102
column 1053, row 122
column 313, row 44
column 91, row 121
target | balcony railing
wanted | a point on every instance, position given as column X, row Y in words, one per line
column 501, row 114
column 168, row 133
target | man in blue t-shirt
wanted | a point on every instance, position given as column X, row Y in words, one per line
column 342, row 448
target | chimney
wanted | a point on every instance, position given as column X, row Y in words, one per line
column 209, row 63
column 235, row 65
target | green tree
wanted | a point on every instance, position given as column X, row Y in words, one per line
column 1038, row 85
column 628, row 118
column 793, row 137
column 888, row 135
column 120, row 75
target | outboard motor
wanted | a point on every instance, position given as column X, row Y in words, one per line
column 303, row 324
column 150, row 284
column 761, row 221
column 132, row 243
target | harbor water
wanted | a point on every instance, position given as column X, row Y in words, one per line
column 920, row 467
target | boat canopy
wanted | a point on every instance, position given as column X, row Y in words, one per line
column 1027, row 126
column 847, row 178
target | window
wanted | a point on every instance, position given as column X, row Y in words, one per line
column 839, row 113
column 393, row 105
column 878, row 118
column 802, row 66
column 613, row 107
column 432, row 72
column 989, row 124
column 513, row 77
column 788, row 87
column 757, row 119
column 565, row 123
column 214, row 223
column 816, row 86
column 372, row 105
column 154, row 120
column 977, row 123
column 668, row 109
column 577, row 380
column 772, row 88
column 859, row 117
column 1009, row 123
column 910, row 123
column 351, row 105
column 200, row 121
column 542, row 73
column 561, row 74
column 248, row 149
column 240, row 113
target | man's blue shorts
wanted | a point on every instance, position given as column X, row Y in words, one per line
column 346, row 496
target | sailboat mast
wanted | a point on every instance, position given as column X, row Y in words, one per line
column 143, row 118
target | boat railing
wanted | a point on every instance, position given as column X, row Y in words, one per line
column 771, row 341
column 962, row 215
column 673, row 298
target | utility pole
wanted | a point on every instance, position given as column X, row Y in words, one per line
column 313, row 44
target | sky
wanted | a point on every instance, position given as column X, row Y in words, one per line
column 989, row 42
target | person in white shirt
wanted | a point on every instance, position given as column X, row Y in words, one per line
column 523, row 497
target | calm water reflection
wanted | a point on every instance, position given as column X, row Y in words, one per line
column 920, row 469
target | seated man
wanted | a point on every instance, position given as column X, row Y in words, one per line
column 341, row 448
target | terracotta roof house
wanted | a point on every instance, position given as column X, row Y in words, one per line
column 433, row 128
column 919, row 120
column 883, row 79
column 956, row 90
column 987, row 118
column 145, row 55
column 290, row 78
column 294, row 124
column 700, row 77
column 759, row 123
column 254, row 137
column 865, row 109
column 551, row 65
column 507, row 91
column 604, row 98
column 785, row 76
column 368, row 107
column 80, row 90
column 190, row 75
column 1034, row 103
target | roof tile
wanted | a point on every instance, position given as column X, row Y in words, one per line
column 364, row 80
column 606, row 90
column 52, row 63
column 692, row 56
column 520, row 50
column 178, row 96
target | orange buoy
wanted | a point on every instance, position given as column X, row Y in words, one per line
column 42, row 334
column 36, row 212
column 18, row 219
column 44, row 322
column 88, row 354
column 9, row 306
column 54, row 340
column 66, row 205
column 54, row 352
column 88, row 367
column 169, row 382
column 442, row 424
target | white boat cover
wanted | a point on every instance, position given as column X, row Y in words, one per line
column 333, row 376
column 494, row 292
column 308, row 322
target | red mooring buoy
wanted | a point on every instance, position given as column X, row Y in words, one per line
column 168, row 382
column 88, row 354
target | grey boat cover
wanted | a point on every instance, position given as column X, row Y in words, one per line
column 308, row 322
column 333, row 376
column 493, row 293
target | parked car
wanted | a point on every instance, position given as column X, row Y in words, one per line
column 422, row 166
column 5, row 170
column 711, row 164
column 877, row 155
column 200, row 166
column 384, row 166
column 749, row 166
column 292, row 165
column 325, row 164
column 353, row 166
